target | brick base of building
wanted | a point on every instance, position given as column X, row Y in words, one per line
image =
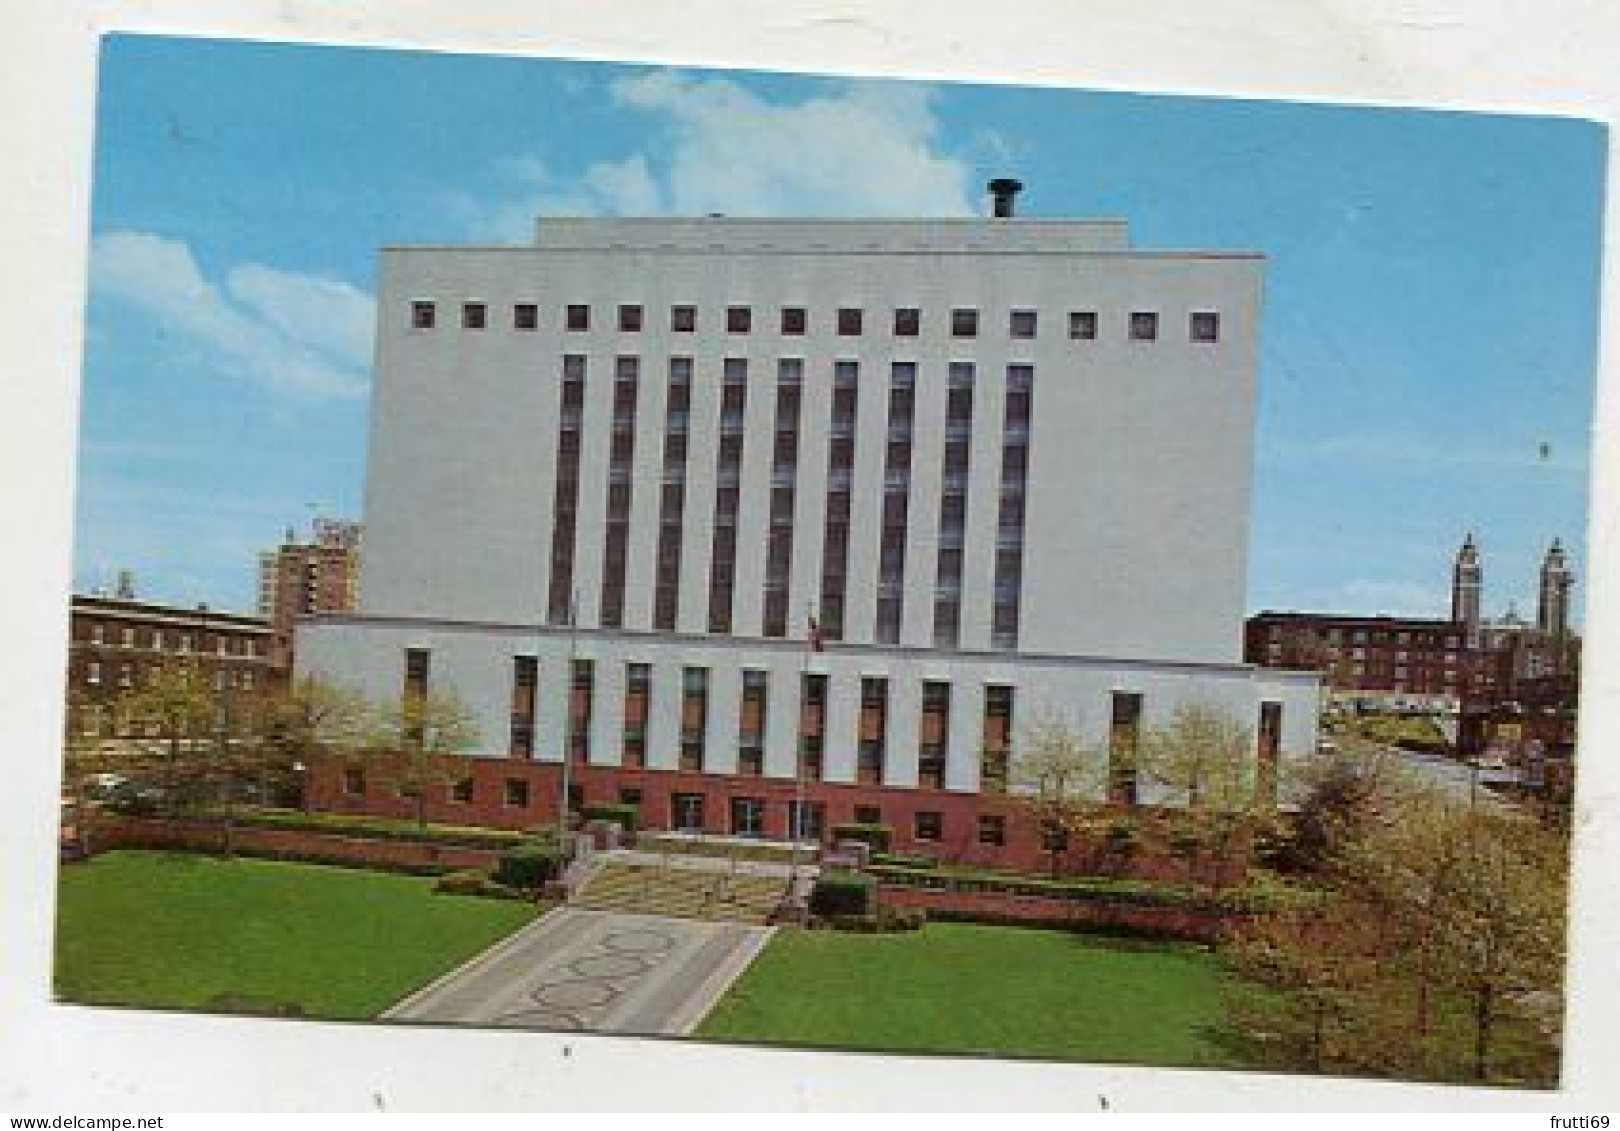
column 959, row 842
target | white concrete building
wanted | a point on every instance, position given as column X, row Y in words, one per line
column 1005, row 463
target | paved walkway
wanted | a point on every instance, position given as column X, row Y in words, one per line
column 594, row 971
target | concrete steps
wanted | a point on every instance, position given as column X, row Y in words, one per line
column 681, row 893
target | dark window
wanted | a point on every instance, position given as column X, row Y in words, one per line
column 812, row 725
column 516, row 793
column 637, row 689
column 747, row 816
column 416, row 672
column 793, row 320
column 935, row 735
column 868, row 815
column 525, row 673
column 1144, row 326
column 354, row 781
column 907, row 322
column 849, row 321
column 630, row 795
column 1204, row 326
column 1270, row 746
column 683, row 319
column 872, row 733
column 1021, row 324
column 930, row 826
column 686, row 812
column 581, row 696
column 474, row 315
column 694, row 716
column 630, row 318
column 1083, row 325
column 992, row 829
column 964, row 323
column 461, row 790
column 997, row 737
column 1123, row 737
column 525, row 316
column 739, row 319
column 421, row 316
column 579, row 318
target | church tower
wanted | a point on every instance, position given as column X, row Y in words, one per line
column 1466, row 581
column 1552, row 610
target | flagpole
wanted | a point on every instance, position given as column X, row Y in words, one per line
column 568, row 721
column 811, row 642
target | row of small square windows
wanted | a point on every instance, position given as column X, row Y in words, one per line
column 1143, row 325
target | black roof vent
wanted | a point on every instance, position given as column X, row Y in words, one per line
column 1003, row 191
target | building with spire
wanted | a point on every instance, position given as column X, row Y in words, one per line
column 1467, row 583
column 1420, row 662
column 1552, row 606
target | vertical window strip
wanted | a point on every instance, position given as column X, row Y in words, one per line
column 840, row 475
column 784, row 476
column 672, row 507
column 621, row 465
column 896, row 501
column 1008, row 584
column 727, row 492
column 957, row 461
column 565, row 510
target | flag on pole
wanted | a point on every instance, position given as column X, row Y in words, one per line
column 816, row 643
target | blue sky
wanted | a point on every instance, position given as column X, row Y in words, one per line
column 1429, row 334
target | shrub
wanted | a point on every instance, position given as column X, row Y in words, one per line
column 1121, row 838
column 842, row 895
column 475, row 882
column 626, row 817
column 879, row 837
column 902, row 860
column 530, row 866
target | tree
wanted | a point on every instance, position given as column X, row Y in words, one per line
column 1446, row 933
column 84, row 754
column 175, row 708
column 417, row 735
column 307, row 720
column 1337, row 803
column 1059, row 779
column 1201, row 760
column 1475, row 897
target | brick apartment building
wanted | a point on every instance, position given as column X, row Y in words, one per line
column 299, row 579
column 116, row 643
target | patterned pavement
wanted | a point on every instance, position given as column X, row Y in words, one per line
column 593, row 971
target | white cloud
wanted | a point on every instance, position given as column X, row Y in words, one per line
column 868, row 149
column 289, row 332
column 861, row 150
column 322, row 313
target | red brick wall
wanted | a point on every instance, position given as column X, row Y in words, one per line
column 1171, row 922
column 135, row 832
column 899, row 807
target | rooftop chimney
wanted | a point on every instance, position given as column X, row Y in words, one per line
column 1002, row 192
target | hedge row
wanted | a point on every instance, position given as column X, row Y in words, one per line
column 1140, row 893
column 376, row 828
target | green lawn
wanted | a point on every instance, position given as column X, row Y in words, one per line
column 1003, row 990
column 182, row 931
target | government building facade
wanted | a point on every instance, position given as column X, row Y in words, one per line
column 768, row 525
